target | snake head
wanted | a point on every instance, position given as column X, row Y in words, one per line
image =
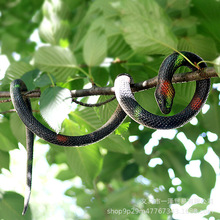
column 164, row 95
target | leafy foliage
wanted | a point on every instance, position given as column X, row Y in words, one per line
column 118, row 178
column 55, row 103
column 12, row 202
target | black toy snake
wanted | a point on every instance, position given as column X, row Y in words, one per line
column 127, row 105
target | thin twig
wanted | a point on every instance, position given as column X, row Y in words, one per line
column 205, row 73
column 8, row 111
column 95, row 104
column 5, row 100
column 13, row 110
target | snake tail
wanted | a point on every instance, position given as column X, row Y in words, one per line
column 29, row 148
column 30, row 151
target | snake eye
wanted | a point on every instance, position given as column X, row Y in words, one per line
column 160, row 102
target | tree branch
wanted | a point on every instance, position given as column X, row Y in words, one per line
column 205, row 73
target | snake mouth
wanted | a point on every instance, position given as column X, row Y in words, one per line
column 167, row 105
column 164, row 106
column 166, row 110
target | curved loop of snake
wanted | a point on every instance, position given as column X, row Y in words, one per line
column 23, row 108
column 16, row 89
column 127, row 105
column 164, row 94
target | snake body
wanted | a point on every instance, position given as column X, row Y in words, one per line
column 164, row 94
column 17, row 86
column 29, row 148
column 23, row 108
column 127, row 106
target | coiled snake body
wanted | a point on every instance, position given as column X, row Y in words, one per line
column 127, row 105
column 164, row 94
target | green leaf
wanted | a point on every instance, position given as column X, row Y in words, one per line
column 29, row 78
column 211, row 120
column 122, row 128
column 100, row 76
column 56, row 154
column 130, row 171
column 147, row 100
column 97, row 211
column 146, row 27
column 200, row 45
column 101, row 6
column 217, row 65
column 87, row 118
column 185, row 24
column 16, row 71
column 65, row 175
column 7, row 139
column 74, row 191
column 60, row 62
column 4, row 162
column 215, row 146
column 116, row 143
column 104, row 112
column 118, row 48
column 208, row 20
column 176, row 4
column 183, row 95
column 18, row 129
column 191, row 131
column 215, row 215
column 208, row 183
column 95, row 47
column 173, row 153
column 55, row 103
column 140, row 157
column 75, row 84
column 197, row 208
column 85, row 162
column 5, row 106
column 119, row 199
column 159, row 176
column 115, row 70
column 112, row 165
column 84, row 199
column 52, row 31
column 55, row 24
column 201, row 186
column 200, row 152
column 43, row 80
column 9, row 43
column 11, row 205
